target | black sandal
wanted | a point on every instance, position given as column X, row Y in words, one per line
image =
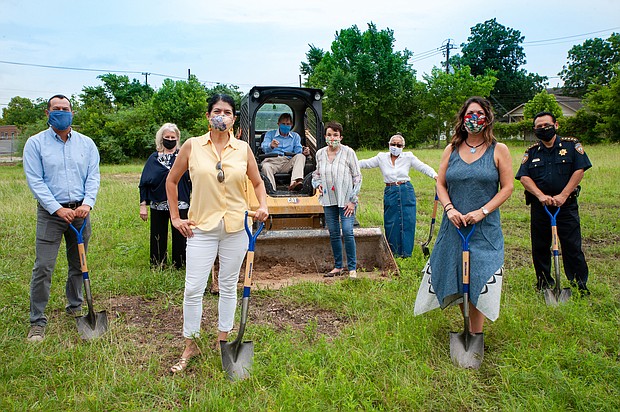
column 334, row 272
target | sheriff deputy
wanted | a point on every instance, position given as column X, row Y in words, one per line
column 550, row 172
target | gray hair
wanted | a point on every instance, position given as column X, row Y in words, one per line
column 397, row 136
column 159, row 136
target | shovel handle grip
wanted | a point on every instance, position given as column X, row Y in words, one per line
column 466, row 271
column 435, row 203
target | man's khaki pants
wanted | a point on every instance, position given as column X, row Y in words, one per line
column 283, row 164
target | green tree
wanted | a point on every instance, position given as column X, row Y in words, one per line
column 124, row 92
column 583, row 125
column 181, row 102
column 606, row 103
column 370, row 88
column 590, row 63
column 314, row 56
column 21, row 111
column 542, row 102
column 445, row 93
column 492, row 46
column 95, row 97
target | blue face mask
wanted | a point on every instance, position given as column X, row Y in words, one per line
column 284, row 129
column 60, row 119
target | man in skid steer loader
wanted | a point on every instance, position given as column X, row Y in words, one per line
column 291, row 156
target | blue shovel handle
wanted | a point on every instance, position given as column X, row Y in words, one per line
column 552, row 216
column 252, row 237
column 81, row 248
column 247, row 285
column 465, row 240
column 79, row 233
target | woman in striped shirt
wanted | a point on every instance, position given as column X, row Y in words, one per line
column 338, row 179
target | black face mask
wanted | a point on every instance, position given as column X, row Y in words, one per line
column 169, row 144
column 546, row 133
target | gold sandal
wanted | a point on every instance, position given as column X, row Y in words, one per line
column 180, row 366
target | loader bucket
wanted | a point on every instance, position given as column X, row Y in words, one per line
column 310, row 249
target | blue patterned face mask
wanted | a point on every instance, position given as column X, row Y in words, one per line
column 60, row 119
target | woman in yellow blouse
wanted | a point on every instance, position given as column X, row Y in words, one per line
column 218, row 164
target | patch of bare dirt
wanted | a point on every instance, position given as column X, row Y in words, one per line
column 158, row 323
column 276, row 279
column 288, row 272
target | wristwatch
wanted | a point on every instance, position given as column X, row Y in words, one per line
column 485, row 211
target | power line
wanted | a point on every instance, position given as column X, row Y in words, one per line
column 417, row 59
column 141, row 72
column 569, row 37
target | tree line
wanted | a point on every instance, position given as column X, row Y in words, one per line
column 369, row 87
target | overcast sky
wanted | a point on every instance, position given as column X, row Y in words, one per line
column 253, row 42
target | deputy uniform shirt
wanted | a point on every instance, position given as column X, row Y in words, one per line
column 551, row 168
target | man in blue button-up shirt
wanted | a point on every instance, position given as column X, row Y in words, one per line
column 62, row 170
column 291, row 155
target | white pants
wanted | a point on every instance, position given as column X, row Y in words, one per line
column 202, row 249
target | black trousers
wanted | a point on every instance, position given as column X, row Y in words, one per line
column 160, row 220
column 569, row 234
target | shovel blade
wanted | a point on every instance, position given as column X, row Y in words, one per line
column 551, row 299
column 467, row 354
column 554, row 298
column 90, row 327
column 565, row 295
column 237, row 359
column 426, row 251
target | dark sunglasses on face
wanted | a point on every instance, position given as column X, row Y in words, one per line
column 220, row 173
column 396, row 144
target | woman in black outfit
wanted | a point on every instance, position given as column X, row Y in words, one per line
column 153, row 195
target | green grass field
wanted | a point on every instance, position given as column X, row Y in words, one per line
column 370, row 353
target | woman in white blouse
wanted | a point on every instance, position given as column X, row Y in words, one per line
column 338, row 179
column 399, row 202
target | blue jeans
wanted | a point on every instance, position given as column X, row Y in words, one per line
column 334, row 216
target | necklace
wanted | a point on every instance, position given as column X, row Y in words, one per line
column 473, row 148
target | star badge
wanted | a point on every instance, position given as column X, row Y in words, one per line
column 563, row 152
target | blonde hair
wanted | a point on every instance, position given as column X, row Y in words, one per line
column 159, row 136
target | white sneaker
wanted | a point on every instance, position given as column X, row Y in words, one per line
column 352, row 274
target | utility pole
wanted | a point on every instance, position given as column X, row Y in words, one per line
column 146, row 78
column 446, row 47
column 189, row 74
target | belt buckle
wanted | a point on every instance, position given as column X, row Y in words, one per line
column 72, row 205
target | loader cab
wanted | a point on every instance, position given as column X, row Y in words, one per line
column 259, row 113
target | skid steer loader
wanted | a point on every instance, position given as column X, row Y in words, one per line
column 295, row 235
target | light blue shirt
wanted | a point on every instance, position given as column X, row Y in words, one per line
column 290, row 143
column 59, row 172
